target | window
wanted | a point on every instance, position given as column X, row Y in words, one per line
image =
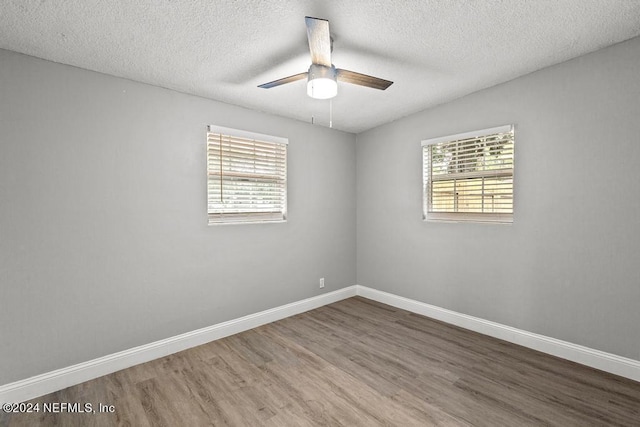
column 246, row 176
column 469, row 177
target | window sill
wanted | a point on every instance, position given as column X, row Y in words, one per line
column 213, row 224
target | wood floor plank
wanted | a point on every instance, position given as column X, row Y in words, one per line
column 356, row 362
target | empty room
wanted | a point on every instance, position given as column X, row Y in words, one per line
column 301, row 213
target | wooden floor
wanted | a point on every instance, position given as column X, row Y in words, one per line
column 352, row 363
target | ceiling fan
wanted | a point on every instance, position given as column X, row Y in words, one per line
column 323, row 75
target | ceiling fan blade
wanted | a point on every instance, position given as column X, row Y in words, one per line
column 319, row 40
column 284, row 81
column 362, row 79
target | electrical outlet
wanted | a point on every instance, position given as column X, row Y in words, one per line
column 322, row 282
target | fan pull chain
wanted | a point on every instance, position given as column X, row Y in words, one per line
column 331, row 113
column 221, row 186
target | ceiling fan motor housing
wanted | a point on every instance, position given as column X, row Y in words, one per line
column 322, row 81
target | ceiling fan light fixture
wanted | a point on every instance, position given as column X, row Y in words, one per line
column 322, row 83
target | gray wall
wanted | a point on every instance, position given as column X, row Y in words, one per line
column 569, row 265
column 104, row 243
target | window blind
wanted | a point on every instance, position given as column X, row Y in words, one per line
column 246, row 176
column 469, row 177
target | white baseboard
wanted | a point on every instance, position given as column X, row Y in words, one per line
column 608, row 362
column 49, row 382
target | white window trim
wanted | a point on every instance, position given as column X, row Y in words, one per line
column 255, row 136
column 466, row 135
column 248, row 135
column 457, row 217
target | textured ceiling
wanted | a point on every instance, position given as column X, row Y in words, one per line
column 434, row 50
